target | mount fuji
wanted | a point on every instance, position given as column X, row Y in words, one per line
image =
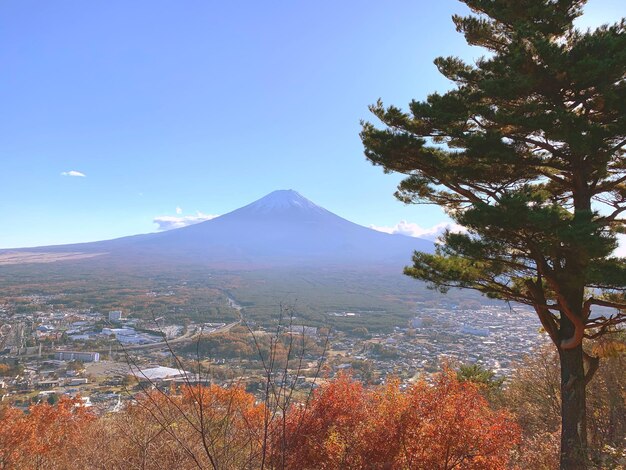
column 281, row 229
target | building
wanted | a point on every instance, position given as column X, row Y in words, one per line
column 47, row 384
column 82, row 356
column 115, row 315
column 77, row 381
column 130, row 336
column 304, row 330
column 470, row 330
column 159, row 374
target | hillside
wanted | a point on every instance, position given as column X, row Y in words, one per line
column 281, row 229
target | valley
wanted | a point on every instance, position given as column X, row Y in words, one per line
column 210, row 296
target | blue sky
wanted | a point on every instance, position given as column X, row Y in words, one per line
column 174, row 108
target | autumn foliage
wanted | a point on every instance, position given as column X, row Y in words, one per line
column 444, row 426
column 200, row 427
column 344, row 425
column 47, row 437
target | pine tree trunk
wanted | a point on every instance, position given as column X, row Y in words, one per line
column 573, row 410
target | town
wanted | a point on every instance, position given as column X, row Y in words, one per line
column 107, row 357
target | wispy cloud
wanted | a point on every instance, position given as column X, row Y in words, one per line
column 179, row 210
column 169, row 222
column 73, row 173
column 414, row 230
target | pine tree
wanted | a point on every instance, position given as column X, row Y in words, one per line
column 527, row 153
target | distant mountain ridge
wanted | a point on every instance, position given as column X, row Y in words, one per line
column 282, row 228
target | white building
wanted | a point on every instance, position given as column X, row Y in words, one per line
column 83, row 356
column 470, row 330
column 130, row 336
column 77, row 381
column 304, row 330
column 159, row 374
column 115, row 315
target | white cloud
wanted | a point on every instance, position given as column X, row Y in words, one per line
column 414, row 230
column 169, row 222
column 179, row 210
column 73, row 173
column 432, row 233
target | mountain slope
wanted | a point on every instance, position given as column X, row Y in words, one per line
column 280, row 229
